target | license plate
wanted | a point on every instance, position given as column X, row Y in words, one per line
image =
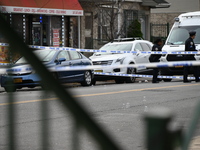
column 98, row 71
column 178, row 66
column 18, row 80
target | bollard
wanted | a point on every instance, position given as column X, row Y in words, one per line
column 158, row 135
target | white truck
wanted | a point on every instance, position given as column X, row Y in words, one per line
column 176, row 41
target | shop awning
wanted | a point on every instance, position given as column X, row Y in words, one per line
column 48, row 7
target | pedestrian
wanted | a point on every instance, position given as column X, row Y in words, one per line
column 156, row 58
column 190, row 46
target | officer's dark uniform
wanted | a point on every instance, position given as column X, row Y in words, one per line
column 190, row 46
column 155, row 58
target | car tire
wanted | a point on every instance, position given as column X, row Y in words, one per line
column 10, row 89
column 87, row 79
column 119, row 81
column 131, row 79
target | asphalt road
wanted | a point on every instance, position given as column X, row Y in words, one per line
column 119, row 108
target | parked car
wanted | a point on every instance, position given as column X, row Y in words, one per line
column 23, row 75
column 112, row 59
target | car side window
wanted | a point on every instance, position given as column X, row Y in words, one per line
column 145, row 47
column 63, row 54
column 138, row 47
column 75, row 55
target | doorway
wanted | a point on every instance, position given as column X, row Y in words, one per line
column 37, row 34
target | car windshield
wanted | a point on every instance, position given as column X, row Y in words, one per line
column 115, row 47
column 180, row 34
column 44, row 56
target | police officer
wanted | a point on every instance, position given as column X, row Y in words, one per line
column 190, row 46
column 156, row 58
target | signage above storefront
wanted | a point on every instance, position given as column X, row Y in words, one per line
column 29, row 10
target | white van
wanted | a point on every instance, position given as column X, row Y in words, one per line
column 176, row 40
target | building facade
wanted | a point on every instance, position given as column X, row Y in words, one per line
column 78, row 24
column 44, row 22
column 167, row 15
column 106, row 20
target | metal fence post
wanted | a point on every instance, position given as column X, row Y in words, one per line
column 11, row 120
column 158, row 136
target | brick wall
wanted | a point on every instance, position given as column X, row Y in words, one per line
column 163, row 18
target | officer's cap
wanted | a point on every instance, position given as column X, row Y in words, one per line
column 192, row 33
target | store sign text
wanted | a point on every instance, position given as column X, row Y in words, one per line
column 41, row 11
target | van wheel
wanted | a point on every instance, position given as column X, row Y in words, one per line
column 131, row 79
column 87, row 79
column 10, row 89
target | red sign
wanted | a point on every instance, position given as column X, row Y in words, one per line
column 56, row 37
column 31, row 10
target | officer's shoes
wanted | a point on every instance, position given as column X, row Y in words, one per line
column 155, row 81
column 187, row 81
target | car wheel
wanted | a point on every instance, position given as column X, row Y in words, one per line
column 10, row 89
column 119, row 81
column 87, row 79
column 131, row 79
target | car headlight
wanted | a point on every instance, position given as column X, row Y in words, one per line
column 120, row 60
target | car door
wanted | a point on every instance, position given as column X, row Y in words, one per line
column 140, row 57
column 64, row 76
column 77, row 60
column 146, row 48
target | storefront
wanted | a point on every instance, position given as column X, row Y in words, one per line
column 47, row 22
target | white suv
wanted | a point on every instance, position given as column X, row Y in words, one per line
column 111, row 59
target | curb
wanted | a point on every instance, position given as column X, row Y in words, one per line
column 195, row 144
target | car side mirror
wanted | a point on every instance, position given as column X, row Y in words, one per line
column 60, row 60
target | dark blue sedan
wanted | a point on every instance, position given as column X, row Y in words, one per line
column 22, row 75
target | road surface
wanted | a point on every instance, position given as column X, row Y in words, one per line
column 118, row 108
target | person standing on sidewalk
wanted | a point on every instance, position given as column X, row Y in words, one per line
column 156, row 58
column 190, row 46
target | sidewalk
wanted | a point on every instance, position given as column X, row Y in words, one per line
column 195, row 144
